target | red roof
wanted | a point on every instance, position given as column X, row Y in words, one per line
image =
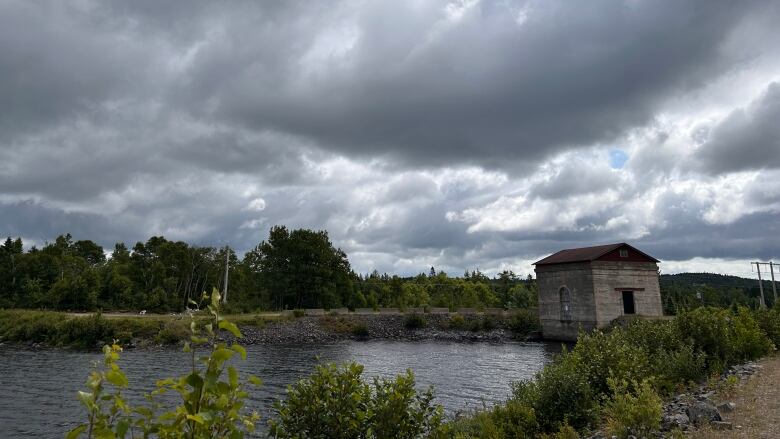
column 587, row 254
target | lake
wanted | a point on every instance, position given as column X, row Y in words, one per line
column 38, row 387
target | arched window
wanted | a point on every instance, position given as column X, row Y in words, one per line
column 565, row 304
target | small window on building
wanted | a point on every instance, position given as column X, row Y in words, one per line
column 623, row 253
column 565, row 304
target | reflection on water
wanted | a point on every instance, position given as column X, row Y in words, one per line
column 37, row 388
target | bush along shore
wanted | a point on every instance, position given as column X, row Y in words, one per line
column 56, row 329
column 613, row 383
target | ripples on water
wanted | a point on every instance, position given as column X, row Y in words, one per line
column 37, row 388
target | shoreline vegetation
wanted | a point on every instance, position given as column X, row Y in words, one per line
column 292, row 269
column 91, row 331
column 613, row 382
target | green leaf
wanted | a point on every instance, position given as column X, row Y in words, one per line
column 224, row 324
column 116, row 378
column 240, row 349
column 76, row 432
column 85, row 398
column 197, row 418
column 232, row 376
column 255, row 380
column 194, row 380
column 221, row 355
column 121, row 428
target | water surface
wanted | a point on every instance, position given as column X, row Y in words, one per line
column 37, row 388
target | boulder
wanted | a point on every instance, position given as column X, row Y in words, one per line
column 702, row 412
column 679, row 420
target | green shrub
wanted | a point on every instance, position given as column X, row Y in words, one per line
column 456, row 322
column 415, row 321
column 673, row 361
column 488, row 323
column 708, row 330
column 85, row 331
column 678, row 367
column 565, row 432
column 344, row 325
column 769, row 322
column 360, row 330
column 298, row 313
column 633, row 413
column 602, row 356
column 525, row 322
column 749, row 341
column 559, row 394
column 513, row 419
column 399, row 412
column 336, row 402
column 172, row 333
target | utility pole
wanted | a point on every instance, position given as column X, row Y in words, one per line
column 227, row 265
column 760, row 284
column 772, row 270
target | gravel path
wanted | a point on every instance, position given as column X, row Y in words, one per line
column 757, row 406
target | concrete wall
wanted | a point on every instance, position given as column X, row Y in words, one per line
column 579, row 279
column 610, row 277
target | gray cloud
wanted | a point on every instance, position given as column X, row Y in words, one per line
column 747, row 138
column 486, row 89
column 455, row 134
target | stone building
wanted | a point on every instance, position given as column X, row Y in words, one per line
column 590, row 287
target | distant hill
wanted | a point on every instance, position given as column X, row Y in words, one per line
column 712, row 280
column 686, row 290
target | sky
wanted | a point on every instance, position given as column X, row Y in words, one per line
column 456, row 134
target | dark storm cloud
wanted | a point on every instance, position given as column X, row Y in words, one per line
column 58, row 61
column 748, row 138
column 486, row 89
column 401, row 127
column 39, row 224
column 753, row 236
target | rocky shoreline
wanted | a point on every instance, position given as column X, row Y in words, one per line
column 323, row 329
column 360, row 327
column 688, row 411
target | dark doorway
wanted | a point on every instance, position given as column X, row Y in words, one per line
column 628, row 302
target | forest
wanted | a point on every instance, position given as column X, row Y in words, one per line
column 292, row 269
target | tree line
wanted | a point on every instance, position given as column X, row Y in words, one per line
column 292, row 269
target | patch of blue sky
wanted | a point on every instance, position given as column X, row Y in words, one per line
column 617, row 158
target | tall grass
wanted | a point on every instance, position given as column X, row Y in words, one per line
column 60, row 329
